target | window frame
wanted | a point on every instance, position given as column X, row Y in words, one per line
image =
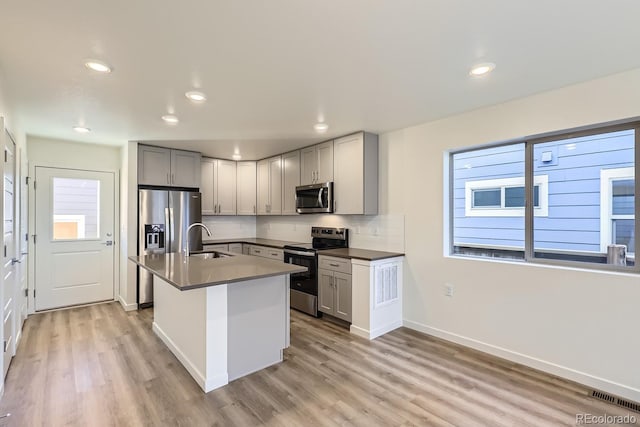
column 607, row 176
column 529, row 212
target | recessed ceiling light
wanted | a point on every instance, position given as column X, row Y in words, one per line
column 170, row 119
column 98, row 66
column 196, row 96
column 81, row 129
column 321, row 127
column 236, row 156
column 482, row 69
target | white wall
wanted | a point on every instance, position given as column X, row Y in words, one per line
column 579, row 324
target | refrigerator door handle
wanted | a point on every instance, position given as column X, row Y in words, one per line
column 169, row 232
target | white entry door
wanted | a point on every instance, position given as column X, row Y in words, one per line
column 9, row 259
column 74, row 250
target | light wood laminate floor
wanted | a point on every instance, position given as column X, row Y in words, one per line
column 97, row 365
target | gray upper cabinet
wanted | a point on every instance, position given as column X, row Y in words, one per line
column 167, row 167
column 316, row 163
column 246, row 188
column 154, row 165
column 355, row 170
column 218, row 187
column 290, row 180
column 269, row 186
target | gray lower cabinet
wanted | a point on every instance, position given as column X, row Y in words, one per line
column 334, row 293
column 235, row 248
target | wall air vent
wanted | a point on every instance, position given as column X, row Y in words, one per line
column 616, row 400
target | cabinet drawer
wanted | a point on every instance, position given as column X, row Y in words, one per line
column 258, row 251
column 342, row 265
column 216, row 247
column 275, row 254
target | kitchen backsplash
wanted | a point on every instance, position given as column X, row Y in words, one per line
column 380, row 232
column 229, row 227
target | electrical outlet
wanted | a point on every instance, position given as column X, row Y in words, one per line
column 448, row 290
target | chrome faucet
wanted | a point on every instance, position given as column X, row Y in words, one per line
column 199, row 224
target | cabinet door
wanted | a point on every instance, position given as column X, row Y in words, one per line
column 325, row 162
column 308, row 165
column 275, row 185
column 246, row 188
column 263, row 187
column 226, row 187
column 185, row 169
column 235, row 248
column 342, row 288
column 207, row 167
column 348, row 186
column 325, row 292
column 154, row 165
column 290, row 180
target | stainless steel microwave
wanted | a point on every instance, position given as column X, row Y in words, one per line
column 314, row 198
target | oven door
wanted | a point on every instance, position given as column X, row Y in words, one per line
column 315, row 198
column 306, row 281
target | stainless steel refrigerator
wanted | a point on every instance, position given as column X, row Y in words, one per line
column 163, row 219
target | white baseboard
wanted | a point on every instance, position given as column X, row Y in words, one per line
column 126, row 306
column 365, row 333
column 533, row 362
column 206, row 384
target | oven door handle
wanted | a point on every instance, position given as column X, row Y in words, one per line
column 300, row 253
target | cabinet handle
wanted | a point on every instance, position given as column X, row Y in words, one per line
column 219, row 208
column 334, row 265
column 257, row 251
column 254, row 208
column 168, row 182
column 173, row 180
column 274, row 253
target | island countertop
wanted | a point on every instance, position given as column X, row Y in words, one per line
column 196, row 272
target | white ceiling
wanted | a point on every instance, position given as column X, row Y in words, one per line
column 271, row 69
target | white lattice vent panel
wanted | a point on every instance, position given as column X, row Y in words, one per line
column 386, row 284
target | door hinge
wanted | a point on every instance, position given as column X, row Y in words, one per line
column 34, row 293
column 26, row 292
column 5, row 341
column 26, row 237
column 34, row 239
column 34, row 184
column 26, row 180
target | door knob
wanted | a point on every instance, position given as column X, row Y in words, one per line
column 15, row 261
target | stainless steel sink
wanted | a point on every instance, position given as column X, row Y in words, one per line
column 211, row 255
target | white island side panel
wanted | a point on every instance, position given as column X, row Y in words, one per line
column 258, row 324
column 193, row 324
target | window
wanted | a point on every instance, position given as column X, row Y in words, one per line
column 504, row 197
column 76, row 207
column 581, row 189
column 617, row 201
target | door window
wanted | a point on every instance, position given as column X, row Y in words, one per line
column 76, row 207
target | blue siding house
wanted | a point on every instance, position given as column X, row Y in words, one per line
column 583, row 201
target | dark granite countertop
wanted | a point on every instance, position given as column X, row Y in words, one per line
column 196, row 272
column 279, row 244
column 364, row 254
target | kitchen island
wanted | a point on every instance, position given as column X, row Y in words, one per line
column 223, row 317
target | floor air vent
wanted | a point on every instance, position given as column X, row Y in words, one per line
column 616, row 400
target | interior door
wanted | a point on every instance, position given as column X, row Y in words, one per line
column 74, row 250
column 9, row 259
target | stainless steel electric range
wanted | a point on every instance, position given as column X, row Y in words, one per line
column 304, row 286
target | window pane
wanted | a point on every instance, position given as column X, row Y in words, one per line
column 580, row 167
column 76, row 207
column 624, row 233
column 514, row 197
column 486, row 198
column 623, row 197
column 482, row 226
